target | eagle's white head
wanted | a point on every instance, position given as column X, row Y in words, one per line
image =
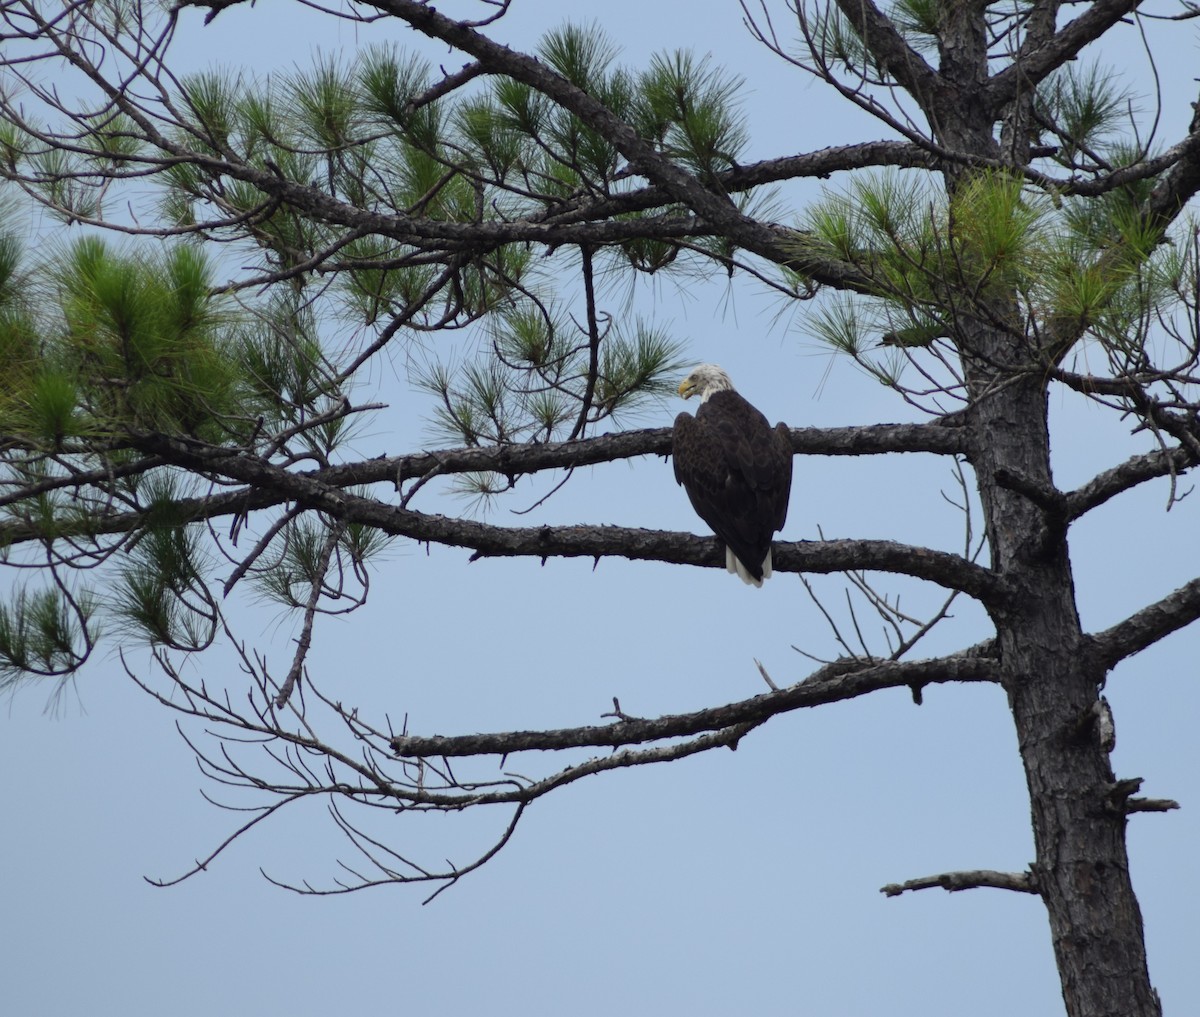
column 704, row 381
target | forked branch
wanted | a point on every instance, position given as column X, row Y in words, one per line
column 277, row 756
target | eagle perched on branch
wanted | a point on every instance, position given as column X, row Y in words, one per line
column 736, row 469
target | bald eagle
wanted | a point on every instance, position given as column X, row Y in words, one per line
column 736, row 469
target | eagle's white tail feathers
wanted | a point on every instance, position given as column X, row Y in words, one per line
column 735, row 568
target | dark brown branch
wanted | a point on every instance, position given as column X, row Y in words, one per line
column 1021, row 882
column 711, row 204
column 486, row 540
column 1129, row 474
column 1145, row 628
column 889, row 50
column 74, row 479
column 832, row 683
column 444, row 87
column 949, row 570
column 1181, row 182
column 514, row 460
column 1031, row 68
column 1142, row 170
column 508, row 460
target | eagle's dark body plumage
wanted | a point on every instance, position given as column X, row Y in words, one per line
column 736, row 469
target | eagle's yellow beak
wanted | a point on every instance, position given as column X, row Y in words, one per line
column 686, row 388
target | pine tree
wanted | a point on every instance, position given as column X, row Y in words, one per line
column 181, row 367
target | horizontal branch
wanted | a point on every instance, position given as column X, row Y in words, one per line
column 1151, row 805
column 1021, row 882
column 1119, row 798
column 1129, row 474
column 935, row 437
column 1175, row 611
column 18, row 491
column 835, row 682
column 267, row 484
column 508, row 460
column 868, row 155
column 949, row 570
column 487, row 540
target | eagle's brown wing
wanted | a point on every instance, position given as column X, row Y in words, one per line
column 737, row 472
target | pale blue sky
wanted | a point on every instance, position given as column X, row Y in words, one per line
column 739, row 882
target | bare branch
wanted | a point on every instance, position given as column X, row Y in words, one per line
column 1149, row 625
column 373, row 851
column 941, row 567
column 508, row 460
column 1021, row 882
column 1151, row 805
column 1134, row 471
column 834, row 682
column 1031, row 68
column 304, row 643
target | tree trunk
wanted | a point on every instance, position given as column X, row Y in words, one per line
column 1052, row 681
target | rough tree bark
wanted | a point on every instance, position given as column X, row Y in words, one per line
column 1052, row 679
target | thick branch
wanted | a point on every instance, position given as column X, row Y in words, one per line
column 949, row 570
column 821, row 164
column 1031, row 68
column 1129, row 474
column 486, row 540
column 514, row 460
column 508, row 460
column 1174, row 612
column 832, row 683
column 888, row 48
column 1181, row 182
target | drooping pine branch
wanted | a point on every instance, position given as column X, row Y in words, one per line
column 712, row 204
